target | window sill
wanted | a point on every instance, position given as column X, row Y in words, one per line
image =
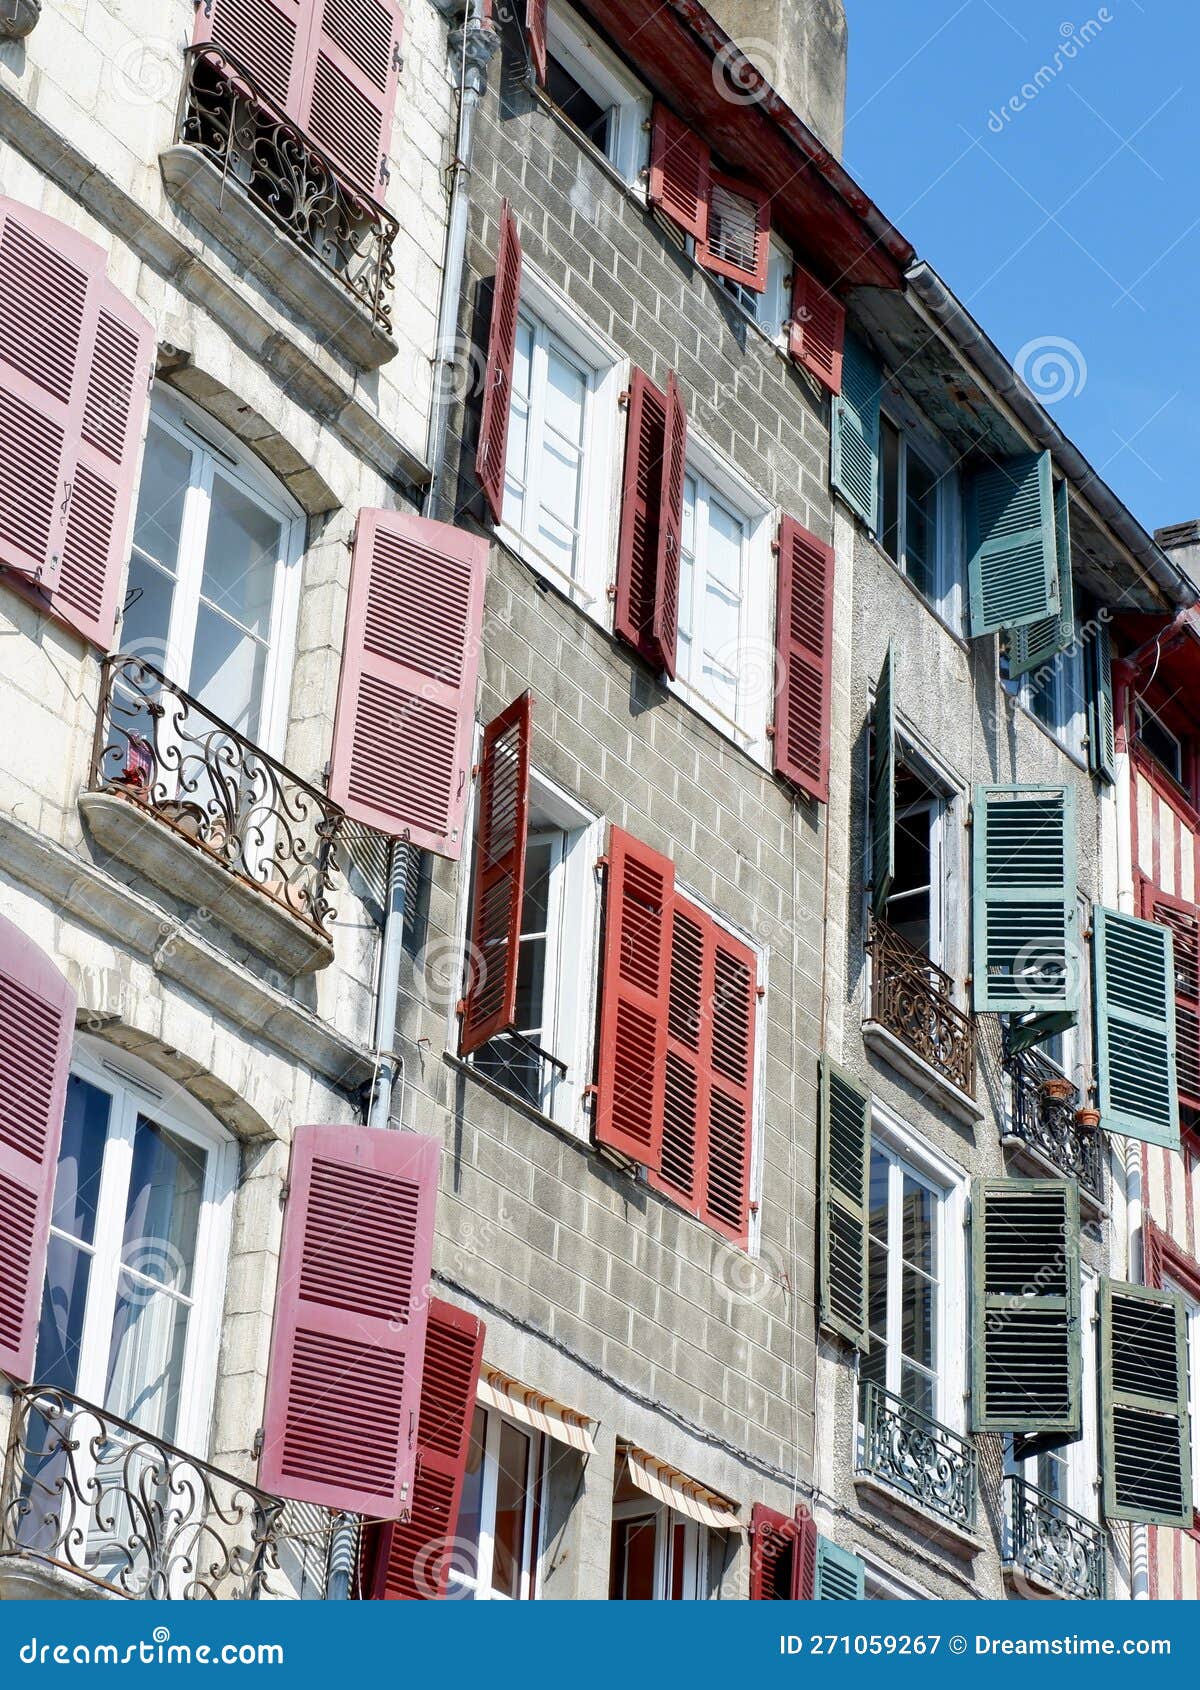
column 1079, row 758
column 956, row 1539
column 956, row 634
column 539, row 1118
column 884, row 1044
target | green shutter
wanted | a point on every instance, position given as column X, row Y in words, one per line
column 1025, row 1332
column 1038, row 643
column 845, row 1170
column 883, row 785
column 1102, row 741
column 855, row 432
column 1013, row 557
column 841, row 1577
column 1144, row 1405
column 1025, row 915
column 1133, row 964
column 1025, row 1031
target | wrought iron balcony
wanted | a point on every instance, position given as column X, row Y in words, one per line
column 248, row 817
column 1054, row 1545
column 91, row 1495
column 1044, row 1122
column 914, row 999
column 918, row 1456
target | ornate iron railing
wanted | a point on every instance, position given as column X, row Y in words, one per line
column 914, row 1454
column 1046, row 1122
column 227, row 114
column 914, row 999
column 1053, row 1544
column 90, row 1494
column 164, row 751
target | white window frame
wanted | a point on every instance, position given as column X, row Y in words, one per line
column 480, row 1581
column 1192, row 1317
column 600, row 73
column 697, row 1547
column 771, row 310
column 948, row 599
column 1068, row 732
column 950, row 914
column 1082, row 1461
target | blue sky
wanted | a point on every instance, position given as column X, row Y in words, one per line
column 1073, row 222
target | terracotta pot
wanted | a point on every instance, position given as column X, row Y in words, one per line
column 1059, row 1089
column 1087, row 1120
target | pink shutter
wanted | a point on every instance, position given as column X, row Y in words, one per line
column 350, row 1316
column 491, row 1002
column 737, row 241
column 804, row 645
column 349, row 82
column 806, row 1556
column 37, row 1021
column 406, row 704
column 268, row 38
column 535, row 30
column 492, row 457
column 646, row 614
column 817, row 331
column 680, row 169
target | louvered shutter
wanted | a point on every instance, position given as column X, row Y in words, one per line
column 351, row 1310
column 535, row 34
column 349, row 83
column 806, row 1556
column 268, row 38
column 76, row 361
column 855, row 434
column 411, row 1561
column 1146, row 1456
column 492, row 457
column 406, row 704
column 37, row 1021
column 774, row 1539
column 680, row 173
column 1102, row 746
column 1025, row 1306
column 817, row 330
column 501, row 831
column 845, row 1168
column 841, row 1577
column 737, row 241
column 635, row 984
column 1025, row 915
column 1134, row 996
column 804, row 654
column 646, row 613
column 1184, row 925
column 883, row 785
column 1012, row 551
column 1039, row 643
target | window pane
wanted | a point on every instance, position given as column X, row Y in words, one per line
column 60, row 1329
column 163, row 1210
column 566, row 397
column 918, row 1390
column 470, row 1513
column 539, row 860
column 512, row 1501
column 145, row 1361
column 166, row 471
column 228, row 668
column 920, row 525
column 920, row 1220
column 634, row 1559
column 878, row 1199
column 146, row 619
column 917, row 1334
column 77, row 1182
column 240, row 557
column 889, row 474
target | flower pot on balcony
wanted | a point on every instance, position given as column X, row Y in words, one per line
column 1057, row 1090
column 1087, row 1120
column 17, row 18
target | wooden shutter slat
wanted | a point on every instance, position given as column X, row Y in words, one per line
column 1184, row 923
column 635, row 985
column 500, row 838
column 840, row 1577
column 1102, row 748
column 344, row 1381
column 883, row 785
column 646, row 612
column 845, row 1168
column 804, row 649
column 268, row 38
column 1013, row 559
column 1134, row 994
column 774, row 1541
column 535, row 34
column 492, row 457
column 406, row 703
column 1039, row 643
column 855, row 433
column 348, row 85
column 1146, row 1453
column 1024, row 900
column 737, row 238
column 680, row 172
column 806, row 1556
column 37, row 1022
column 817, row 329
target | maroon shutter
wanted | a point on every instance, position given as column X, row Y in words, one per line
column 351, row 1310
column 411, row 1562
column 535, row 30
column 817, row 331
column 806, row 1556
column 680, row 170
column 804, row 644
column 348, row 85
column 268, row 38
column 646, row 614
column 37, row 1020
column 737, row 241
column 665, row 619
column 635, row 978
column 491, row 1002
column 492, row 457
column 773, row 1539
column 406, row 704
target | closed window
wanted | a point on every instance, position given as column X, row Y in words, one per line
column 658, row 1554
column 1154, row 736
column 498, row 1518
column 906, row 1287
column 919, row 509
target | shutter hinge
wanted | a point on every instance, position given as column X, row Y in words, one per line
column 385, row 173
column 775, row 547
column 589, row 1094
column 602, row 861
column 397, row 58
column 611, row 591
column 285, row 1191
column 770, row 730
column 460, row 1008
column 760, row 991
column 623, row 400
column 256, row 1446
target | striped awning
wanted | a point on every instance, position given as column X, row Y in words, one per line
column 534, row 1408
column 667, row 1484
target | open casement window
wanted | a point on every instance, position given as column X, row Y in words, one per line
column 1134, row 986
column 680, row 174
column 1144, row 1404
column 840, row 1576
column 1026, row 1306
column 1183, row 921
column 594, row 90
column 350, row 1320
column 855, row 433
column 729, row 219
column 783, row 1555
column 492, row 454
column 406, row 703
column 883, row 785
column 76, row 362
column 804, row 648
column 845, row 1163
column 817, row 329
column 499, row 1516
column 1023, row 899
column 1038, row 643
column 648, row 558
column 1102, row 749
column 1013, row 558
column 535, row 35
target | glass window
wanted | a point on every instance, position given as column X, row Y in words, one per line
column 904, row 1282
column 917, row 510
column 549, row 422
column 915, row 903
column 1155, row 737
column 496, row 1556
column 595, row 92
column 657, row 1554
column 712, row 595
column 1056, row 694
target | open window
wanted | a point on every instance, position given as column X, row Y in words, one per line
column 771, row 309
column 919, row 506
column 499, row 1517
column 668, row 1534
column 596, row 93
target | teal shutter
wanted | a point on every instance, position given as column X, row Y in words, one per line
column 845, row 1134
column 1039, row 643
column 1025, row 1031
column 1133, row 964
column 1145, row 1452
column 883, row 785
column 1025, row 1333
column 1102, row 739
column 1025, row 916
column 1011, row 549
column 841, row 1577
column 855, row 432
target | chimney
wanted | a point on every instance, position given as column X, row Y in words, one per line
column 1181, row 542
column 800, row 47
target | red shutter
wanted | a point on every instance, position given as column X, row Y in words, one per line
column 268, row 38
column 806, row 1556
column 635, row 979
column 411, row 1562
column 1184, row 921
column 37, row 1021
column 492, row 457
column 804, row 643
column 349, row 82
column 350, row 1316
column 665, row 620
column 680, row 169
column 535, row 30
column 76, row 361
column 647, row 587
column 773, row 1539
column 406, row 705
column 817, row 331
column 737, row 242
column 491, row 1004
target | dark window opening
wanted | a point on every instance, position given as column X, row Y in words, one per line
column 589, row 117
column 911, row 905
column 1157, row 739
